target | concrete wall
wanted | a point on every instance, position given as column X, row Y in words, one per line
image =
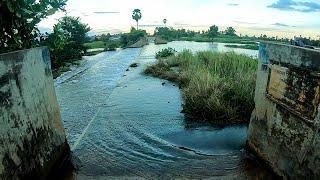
column 32, row 136
column 284, row 128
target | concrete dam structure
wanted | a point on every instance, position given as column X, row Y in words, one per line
column 32, row 136
column 284, row 128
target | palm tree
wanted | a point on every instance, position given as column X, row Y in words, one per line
column 165, row 22
column 136, row 15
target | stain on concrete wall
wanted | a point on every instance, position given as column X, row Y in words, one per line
column 32, row 136
column 284, row 127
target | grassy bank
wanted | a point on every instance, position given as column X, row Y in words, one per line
column 217, row 87
column 246, row 46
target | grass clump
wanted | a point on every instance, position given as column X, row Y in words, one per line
column 165, row 53
column 215, row 86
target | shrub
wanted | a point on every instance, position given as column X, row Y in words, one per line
column 165, row 53
column 112, row 46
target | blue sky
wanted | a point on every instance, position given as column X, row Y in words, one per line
column 272, row 17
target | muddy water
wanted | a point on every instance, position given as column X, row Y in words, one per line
column 122, row 124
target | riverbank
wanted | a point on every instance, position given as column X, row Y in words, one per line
column 216, row 87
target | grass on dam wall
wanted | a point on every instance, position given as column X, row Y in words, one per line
column 217, row 87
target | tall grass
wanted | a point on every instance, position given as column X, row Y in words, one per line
column 215, row 86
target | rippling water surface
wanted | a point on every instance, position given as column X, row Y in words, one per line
column 124, row 124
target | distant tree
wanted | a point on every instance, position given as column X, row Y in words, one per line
column 165, row 22
column 230, row 31
column 213, row 31
column 136, row 15
column 19, row 19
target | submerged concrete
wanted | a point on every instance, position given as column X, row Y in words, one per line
column 284, row 128
column 32, row 136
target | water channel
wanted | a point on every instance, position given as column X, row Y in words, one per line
column 123, row 124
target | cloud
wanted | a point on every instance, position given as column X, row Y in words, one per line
column 291, row 5
column 280, row 24
column 233, row 4
column 244, row 22
column 106, row 12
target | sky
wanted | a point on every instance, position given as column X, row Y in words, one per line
column 283, row 18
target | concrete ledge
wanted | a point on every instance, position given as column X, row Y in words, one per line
column 292, row 55
column 32, row 136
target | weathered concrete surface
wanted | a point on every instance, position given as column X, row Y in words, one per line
column 284, row 128
column 32, row 136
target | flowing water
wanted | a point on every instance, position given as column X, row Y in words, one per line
column 123, row 124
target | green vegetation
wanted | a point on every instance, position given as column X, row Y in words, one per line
column 212, row 35
column 95, row 44
column 173, row 34
column 246, row 46
column 57, row 72
column 213, row 31
column 165, row 53
column 19, row 19
column 230, row 31
column 112, row 45
column 217, row 87
column 109, row 45
column 135, row 38
column 226, row 36
column 131, row 38
column 66, row 42
column 226, row 39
